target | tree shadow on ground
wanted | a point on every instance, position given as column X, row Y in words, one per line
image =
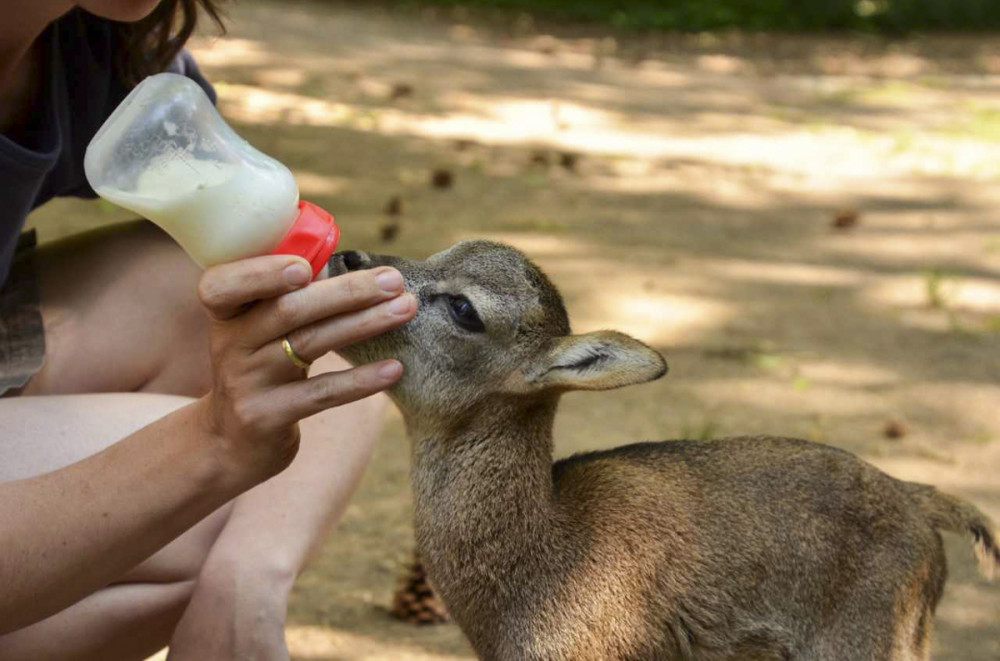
column 681, row 191
column 768, row 329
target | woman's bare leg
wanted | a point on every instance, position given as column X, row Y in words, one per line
column 121, row 315
column 129, row 621
column 136, row 616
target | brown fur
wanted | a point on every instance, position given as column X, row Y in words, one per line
column 738, row 549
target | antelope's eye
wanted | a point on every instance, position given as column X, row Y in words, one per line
column 464, row 314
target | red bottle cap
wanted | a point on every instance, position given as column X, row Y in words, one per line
column 313, row 236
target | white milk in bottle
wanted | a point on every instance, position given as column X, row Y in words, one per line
column 166, row 154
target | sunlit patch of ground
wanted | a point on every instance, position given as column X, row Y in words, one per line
column 311, row 642
column 684, row 189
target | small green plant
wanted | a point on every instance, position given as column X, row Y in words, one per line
column 982, row 436
column 801, row 383
column 955, row 324
column 535, row 178
column 842, row 98
column 315, row 87
column 936, row 82
column 896, row 92
column 977, row 120
column 817, row 431
column 825, row 294
column 934, row 286
column 985, row 124
column 704, row 431
column 903, row 140
column 769, row 361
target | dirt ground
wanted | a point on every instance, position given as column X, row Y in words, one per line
column 685, row 190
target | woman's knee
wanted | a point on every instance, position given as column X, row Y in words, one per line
column 121, row 314
column 174, row 317
column 43, row 434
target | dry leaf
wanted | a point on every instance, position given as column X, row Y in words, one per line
column 395, row 206
column 846, row 219
column 894, row 430
column 442, row 179
column 389, row 232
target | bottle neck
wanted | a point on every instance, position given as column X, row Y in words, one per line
column 314, row 236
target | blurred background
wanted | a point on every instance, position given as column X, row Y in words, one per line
column 796, row 201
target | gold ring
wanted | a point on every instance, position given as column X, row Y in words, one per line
column 292, row 356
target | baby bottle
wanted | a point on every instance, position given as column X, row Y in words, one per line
column 167, row 154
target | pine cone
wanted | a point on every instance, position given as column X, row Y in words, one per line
column 415, row 601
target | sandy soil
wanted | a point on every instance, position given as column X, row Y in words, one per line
column 696, row 212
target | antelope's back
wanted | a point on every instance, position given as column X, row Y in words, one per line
column 748, row 539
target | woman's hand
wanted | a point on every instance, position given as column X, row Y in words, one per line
column 258, row 394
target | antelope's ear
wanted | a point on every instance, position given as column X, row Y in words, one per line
column 595, row 361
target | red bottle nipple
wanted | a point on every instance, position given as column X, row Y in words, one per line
column 314, row 236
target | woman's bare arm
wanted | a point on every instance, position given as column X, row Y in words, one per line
column 68, row 533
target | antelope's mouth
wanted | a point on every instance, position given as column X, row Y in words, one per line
column 337, row 264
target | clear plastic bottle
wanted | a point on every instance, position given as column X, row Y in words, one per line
column 167, row 154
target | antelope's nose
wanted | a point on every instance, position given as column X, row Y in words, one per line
column 350, row 260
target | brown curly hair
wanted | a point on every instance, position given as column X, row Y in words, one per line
column 146, row 47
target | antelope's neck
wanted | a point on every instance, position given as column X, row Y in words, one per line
column 485, row 515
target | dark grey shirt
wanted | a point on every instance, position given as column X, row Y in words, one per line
column 80, row 92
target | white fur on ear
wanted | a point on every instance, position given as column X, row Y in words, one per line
column 580, row 356
column 596, row 361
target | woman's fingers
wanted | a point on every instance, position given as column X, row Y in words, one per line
column 327, row 298
column 299, row 400
column 259, row 394
column 319, row 338
column 226, row 290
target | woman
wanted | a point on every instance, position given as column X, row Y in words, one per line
column 169, row 507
